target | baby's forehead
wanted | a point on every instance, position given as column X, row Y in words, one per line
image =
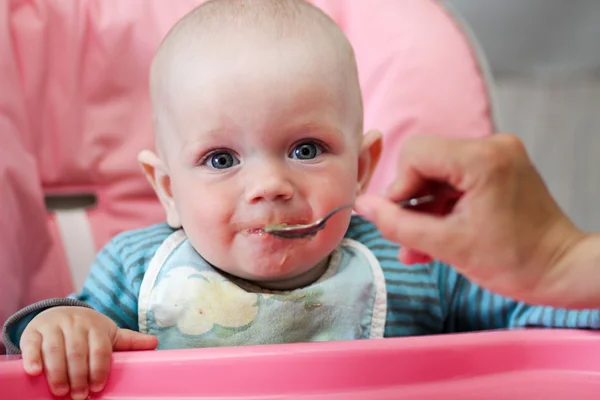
column 247, row 36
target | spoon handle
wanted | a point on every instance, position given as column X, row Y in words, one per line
column 440, row 202
column 416, row 201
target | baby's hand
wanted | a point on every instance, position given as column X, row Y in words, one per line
column 73, row 345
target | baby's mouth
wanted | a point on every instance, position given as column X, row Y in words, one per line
column 254, row 231
column 259, row 228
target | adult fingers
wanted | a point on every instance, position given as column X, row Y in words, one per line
column 418, row 231
column 424, row 159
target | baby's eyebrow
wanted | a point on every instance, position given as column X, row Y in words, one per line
column 318, row 127
column 203, row 137
column 190, row 148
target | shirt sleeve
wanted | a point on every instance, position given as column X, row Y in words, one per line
column 111, row 288
column 468, row 307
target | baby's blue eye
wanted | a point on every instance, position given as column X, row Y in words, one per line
column 222, row 160
column 306, row 151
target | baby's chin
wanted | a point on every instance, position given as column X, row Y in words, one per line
column 272, row 256
column 280, row 270
column 269, row 261
column 275, row 267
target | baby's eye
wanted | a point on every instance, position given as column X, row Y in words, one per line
column 221, row 160
column 306, row 151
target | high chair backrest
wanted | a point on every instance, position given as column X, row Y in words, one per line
column 74, row 112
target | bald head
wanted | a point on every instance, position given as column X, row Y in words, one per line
column 267, row 16
column 273, row 19
column 221, row 33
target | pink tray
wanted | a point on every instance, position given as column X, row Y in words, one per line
column 533, row 364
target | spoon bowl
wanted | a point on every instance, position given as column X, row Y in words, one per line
column 303, row 231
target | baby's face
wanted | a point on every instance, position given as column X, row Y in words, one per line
column 261, row 139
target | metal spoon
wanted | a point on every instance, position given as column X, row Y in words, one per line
column 308, row 230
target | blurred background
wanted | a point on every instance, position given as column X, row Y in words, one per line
column 545, row 56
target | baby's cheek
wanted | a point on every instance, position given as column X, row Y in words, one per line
column 206, row 226
column 212, row 245
column 208, row 211
column 330, row 237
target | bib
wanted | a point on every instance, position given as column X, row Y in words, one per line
column 187, row 303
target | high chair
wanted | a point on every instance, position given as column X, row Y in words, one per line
column 74, row 112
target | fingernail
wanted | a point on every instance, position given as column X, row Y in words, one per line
column 96, row 387
column 363, row 207
column 392, row 189
column 61, row 390
column 79, row 394
column 411, row 257
column 34, row 367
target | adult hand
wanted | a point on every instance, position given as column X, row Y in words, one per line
column 505, row 231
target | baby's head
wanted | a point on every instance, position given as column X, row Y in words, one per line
column 258, row 120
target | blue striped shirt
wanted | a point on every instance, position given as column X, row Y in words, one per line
column 422, row 299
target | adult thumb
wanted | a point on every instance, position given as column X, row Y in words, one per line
column 128, row 340
column 415, row 230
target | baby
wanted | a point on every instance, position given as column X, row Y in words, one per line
column 258, row 120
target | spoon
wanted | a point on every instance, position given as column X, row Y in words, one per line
column 308, row 230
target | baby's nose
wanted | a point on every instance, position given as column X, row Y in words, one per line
column 272, row 186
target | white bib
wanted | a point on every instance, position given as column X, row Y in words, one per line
column 187, row 303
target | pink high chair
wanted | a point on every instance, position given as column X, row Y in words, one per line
column 74, row 112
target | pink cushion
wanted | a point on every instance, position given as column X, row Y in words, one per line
column 74, row 98
column 418, row 74
column 24, row 236
column 25, row 239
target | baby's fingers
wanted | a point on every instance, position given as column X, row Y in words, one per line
column 76, row 342
column 31, row 350
column 128, row 340
column 100, row 358
column 55, row 363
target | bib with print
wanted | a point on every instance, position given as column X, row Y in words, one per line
column 187, row 303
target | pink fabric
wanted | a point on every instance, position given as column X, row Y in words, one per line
column 25, row 240
column 22, row 215
column 418, row 74
column 74, row 110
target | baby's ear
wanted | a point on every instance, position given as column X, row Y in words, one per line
column 158, row 176
column 370, row 152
